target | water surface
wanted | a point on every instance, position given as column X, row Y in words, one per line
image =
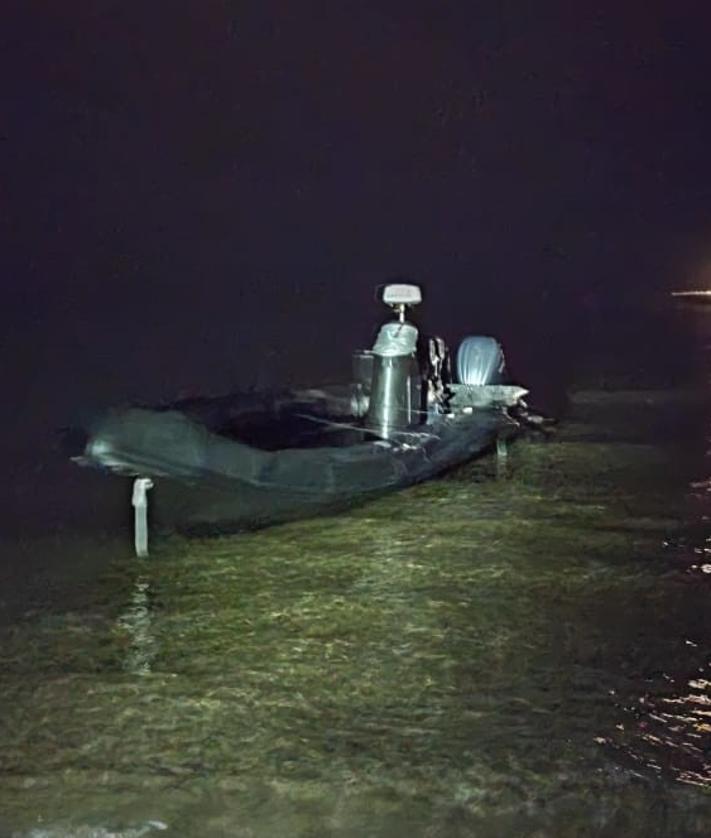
column 502, row 652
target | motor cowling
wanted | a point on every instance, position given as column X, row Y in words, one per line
column 480, row 360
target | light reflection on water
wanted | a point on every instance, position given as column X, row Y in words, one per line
column 136, row 621
column 669, row 731
column 682, row 726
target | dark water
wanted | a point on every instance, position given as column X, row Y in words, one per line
column 503, row 652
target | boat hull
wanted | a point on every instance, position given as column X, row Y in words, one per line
column 205, row 482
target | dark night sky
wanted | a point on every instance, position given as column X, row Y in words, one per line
column 202, row 194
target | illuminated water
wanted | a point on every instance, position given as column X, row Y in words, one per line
column 527, row 655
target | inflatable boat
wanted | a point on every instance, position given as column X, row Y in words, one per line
column 250, row 459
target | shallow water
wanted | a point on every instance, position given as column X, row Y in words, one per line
column 521, row 653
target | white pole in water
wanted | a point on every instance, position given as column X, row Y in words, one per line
column 141, row 485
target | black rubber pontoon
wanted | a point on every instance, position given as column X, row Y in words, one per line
column 245, row 460
column 229, row 464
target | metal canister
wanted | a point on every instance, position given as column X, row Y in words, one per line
column 363, row 369
column 396, row 394
column 363, row 362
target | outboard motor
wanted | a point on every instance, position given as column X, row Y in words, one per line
column 396, row 388
column 480, row 360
